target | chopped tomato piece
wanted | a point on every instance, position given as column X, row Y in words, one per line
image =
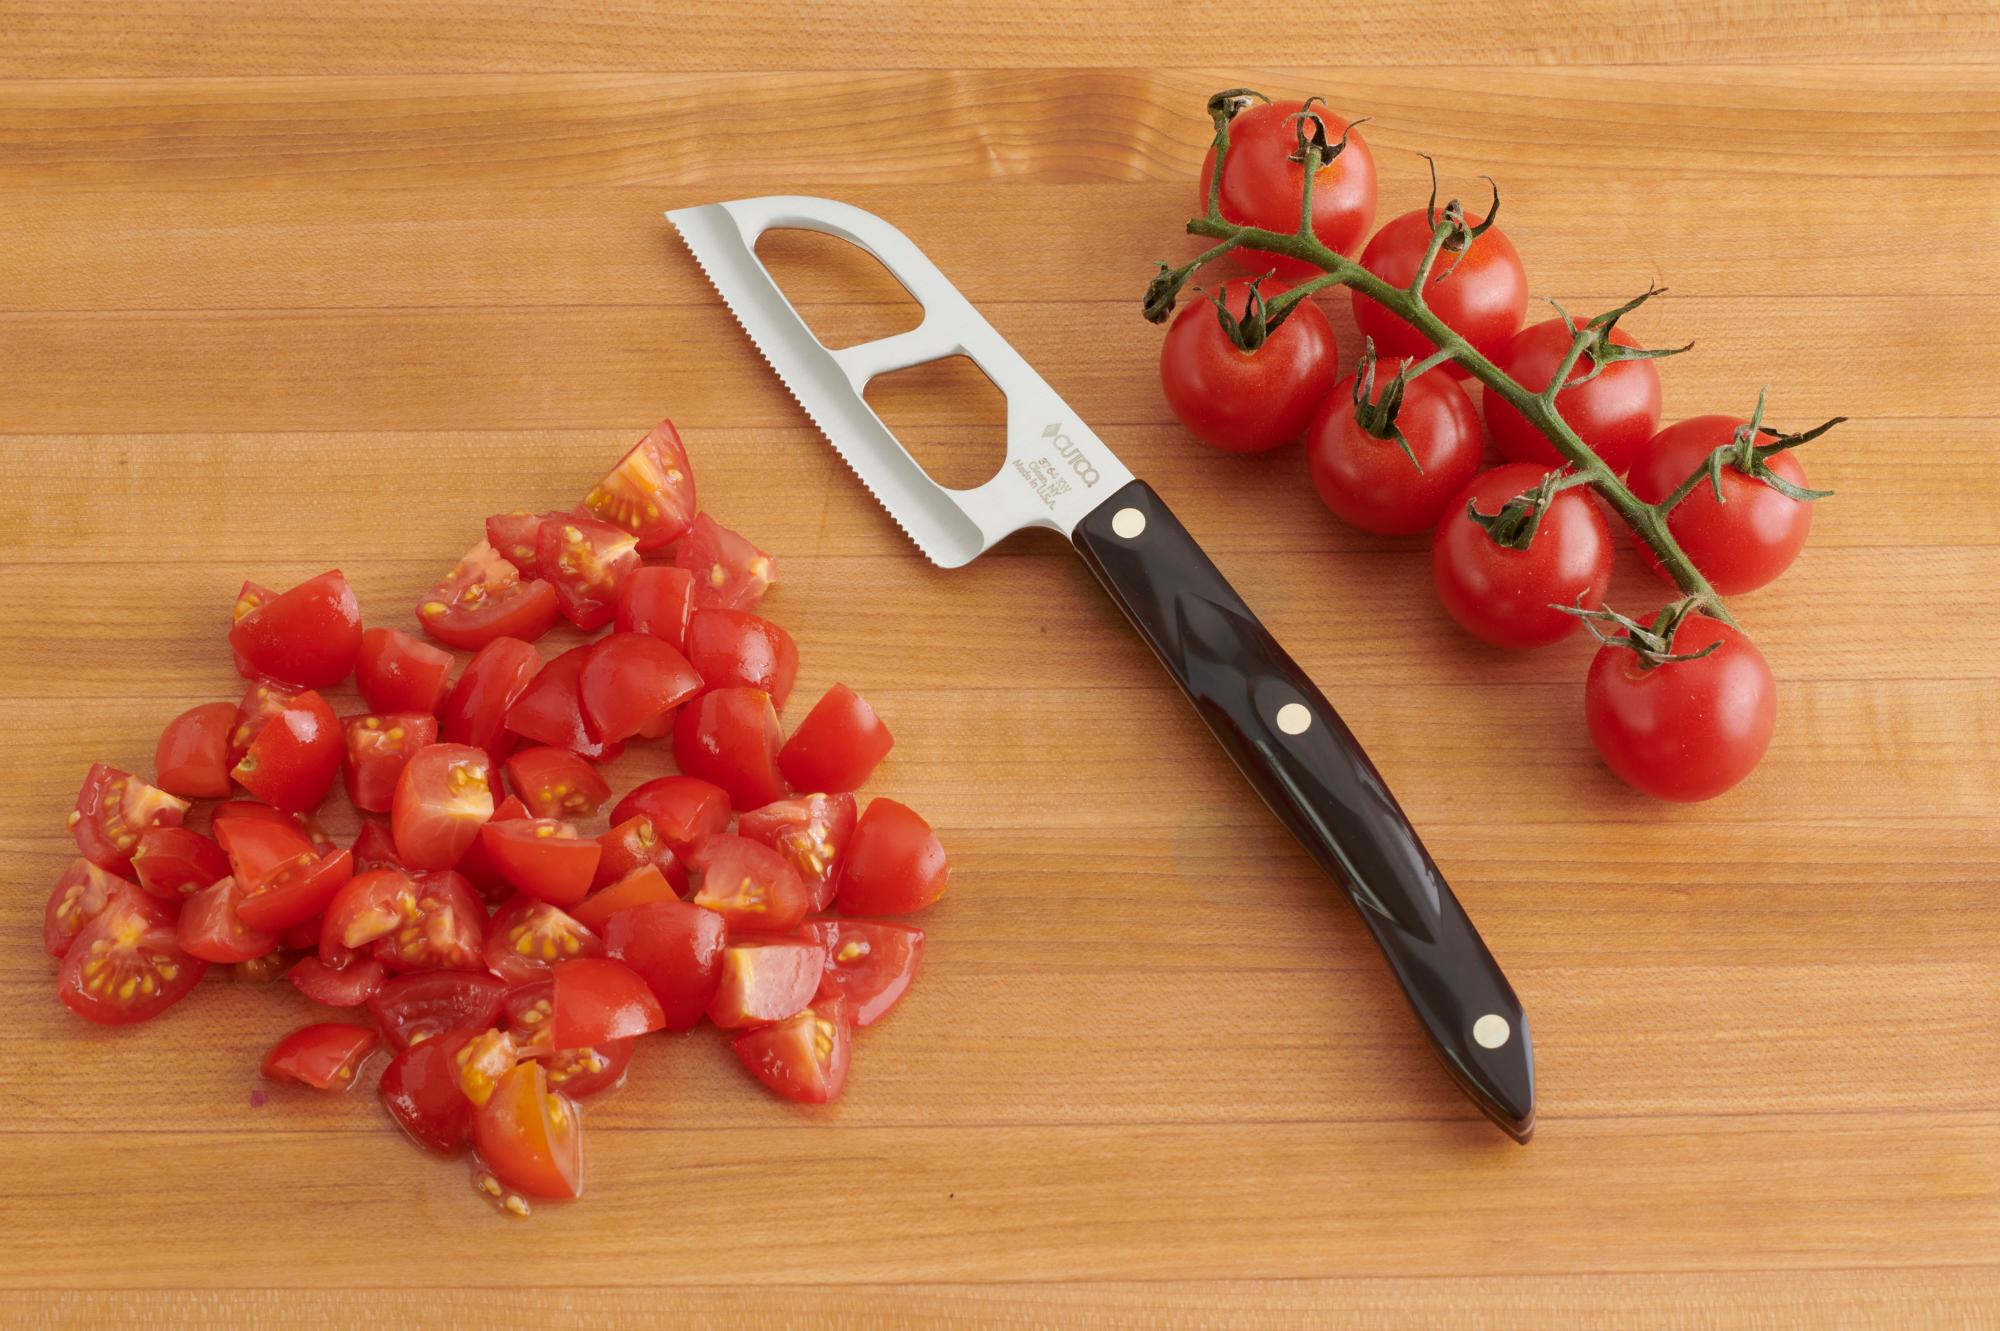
column 261, row 846
column 192, row 757
column 308, row 636
column 514, row 534
column 375, row 846
column 587, row 563
column 735, row 647
column 211, row 928
column 810, row 831
column 870, row 964
column 127, row 965
column 443, row 798
column 630, row 683
column 549, row 711
column 399, row 673
column 79, row 896
column 748, row 884
column 344, row 986
column 262, row 702
column 589, row 1070
column 478, row 866
column 442, row 928
column 296, row 894
column 633, row 845
column 838, row 744
column 295, row 755
column 173, row 863
column 378, row 746
column 893, row 864
column 367, row 907
column 683, row 809
column 598, row 999
column 250, row 598
column 658, row 600
column 730, row 737
column 420, row 1090
column 529, row 936
column 529, row 1007
column 325, row 1056
column 676, row 948
column 729, row 572
column 543, row 858
column 555, row 783
column 804, row 1057
column 650, row 493
column 112, row 809
column 239, row 811
column 483, row 1061
column 531, row 1137
column 484, row 598
column 476, row 712
column 767, row 980
column 411, row 1009
column 636, row 888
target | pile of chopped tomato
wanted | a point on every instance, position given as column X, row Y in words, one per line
column 511, row 930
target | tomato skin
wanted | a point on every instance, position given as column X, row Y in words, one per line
column 295, row 896
column 329, row 986
column 630, row 682
column 1263, row 187
column 1480, row 292
column 650, row 493
column 420, row 1090
column 587, row 563
column 1247, row 401
column 292, row 762
column 543, row 858
column 750, row 885
column 837, row 746
column 398, row 673
column 531, row 1137
column 893, row 864
column 211, row 928
column 529, row 936
column 729, row 572
column 1687, row 730
column 484, row 597
column 1745, row 541
column 130, row 942
column 325, row 1055
column 633, row 845
column 476, row 711
column 261, row 846
column 550, row 710
column 643, row 885
column 555, row 783
column 1615, row 413
column 377, row 746
column 676, row 948
column 870, row 964
column 658, row 600
column 810, row 831
column 734, row 647
column 599, row 999
column 173, row 863
column 684, row 810
column 411, row 1009
column 442, row 799
column 804, row 1057
column 81, row 895
column 308, row 636
column 729, row 737
column 192, row 758
column 112, row 809
column 1367, row 482
column 1508, row 597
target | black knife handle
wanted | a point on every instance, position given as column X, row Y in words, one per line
column 1301, row 757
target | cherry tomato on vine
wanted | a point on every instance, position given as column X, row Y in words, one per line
column 1508, row 597
column 1264, row 186
column 1371, row 483
column 1479, row 290
column 1741, row 542
column 1615, row 413
column 1246, row 398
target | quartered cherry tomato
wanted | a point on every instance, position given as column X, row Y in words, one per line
column 1683, row 730
column 730, row 737
column 127, row 964
column 530, row 1136
column 420, row 1089
column 211, row 928
column 1741, row 541
column 1479, row 290
column 587, row 563
column 838, row 744
column 443, row 798
column 250, row 598
column 893, row 864
column 515, row 535
column 295, row 755
column 870, row 964
column 347, row 986
column 478, row 867
column 676, row 948
column 484, row 597
column 650, row 493
column 192, row 758
column 804, row 1057
column 590, row 1070
column 246, row 811
column 173, row 863
column 642, row 885
column 399, row 673
column 633, row 845
column 543, row 857
column 550, row 710
column 296, row 894
column 1615, row 413
column 750, row 885
column 555, row 783
column 261, row 702
column 378, row 746
column 1509, row 597
column 260, row 846
column 684, row 810
column 658, row 600
column 529, row 936
column 631, row 682
column 734, row 647
column 598, row 999
column 729, row 573
column 766, row 980
column 325, row 1056
column 445, row 928
column 375, row 846
column 80, row 896
column 308, row 636
column 1246, row 401
column 112, row 809
column 476, row 711
column 411, row 1009
column 810, row 831
column 1263, row 180
column 1371, row 483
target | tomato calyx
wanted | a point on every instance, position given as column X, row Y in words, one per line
column 1513, row 527
column 1260, row 317
column 1652, row 645
column 1745, row 454
column 1314, row 151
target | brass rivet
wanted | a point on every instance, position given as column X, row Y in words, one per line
column 1491, row 1031
column 1128, row 523
column 1294, row 719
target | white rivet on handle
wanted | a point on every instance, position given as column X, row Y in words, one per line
column 1294, row 719
column 1128, row 522
column 1491, row 1031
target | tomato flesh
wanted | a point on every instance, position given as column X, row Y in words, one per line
column 399, row 673
column 296, row 894
column 411, row 1009
column 443, row 798
column 643, row 884
column 112, row 809
column 531, row 1137
column 893, row 864
column 676, row 948
column 420, row 1089
column 658, row 600
column 543, row 857
column 590, row 1070
column 684, row 810
column 730, row 737
column 555, row 783
column 211, row 926
column 529, row 936
column 729, row 573
column 375, row 846
column 765, row 981
column 586, row 562
column 295, row 755
column 750, row 885
column 192, row 757
column 81, row 895
column 308, row 636
column 443, row 928
column 248, row 599
column 630, row 682
column 325, row 1056
column 599, row 999
column 869, row 964
column 550, row 710
column 127, row 965
column 347, row 986
column 650, row 493
column 484, row 598
column 378, row 746
column 514, row 534
column 173, row 863
column 476, row 711
column 810, row 831
column 837, row 746
column 633, row 845
column 804, row 1057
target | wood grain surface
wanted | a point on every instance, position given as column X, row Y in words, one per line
column 284, row 287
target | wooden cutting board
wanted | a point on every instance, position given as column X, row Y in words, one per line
column 281, row 291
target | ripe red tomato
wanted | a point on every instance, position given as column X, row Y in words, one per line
column 378, row 746
column 590, row 1070
column 809, row 831
column 803, row 1058
column 413, row 1009
column 550, row 711
column 893, row 864
column 420, row 1090
column 308, row 636
column 870, row 964
column 531, row 1137
column 529, row 936
column 126, row 965
column 555, row 783
column 442, row 799
column 260, row 703
column 1262, row 186
column 676, row 948
column 295, row 755
column 730, row 737
column 1683, row 730
column 634, row 845
column 684, row 810
column 325, row 1056
column 658, row 600
column 543, row 858
column 1615, row 413
column 650, row 493
column 765, row 980
column 444, row 929
column 484, row 597
column 348, row 986
column 599, row 999
column 375, row 846
column 173, row 863
column 629, row 684
column 729, row 573
column 838, row 744
column 1370, row 483
column 750, row 885
column 250, row 598
column 112, row 809
column 261, row 846
column 587, row 562
column 192, row 758
column 399, row 673
column 1246, row 401
column 1480, row 291
column 642, row 885
column 296, row 894
column 514, row 536
column 1508, row 597
column 734, row 647
column 476, row 711
column 1748, row 538
column 478, row 867
column 80, row 896
column 210, row 927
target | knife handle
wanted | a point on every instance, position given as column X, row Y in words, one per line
column 1300, row 756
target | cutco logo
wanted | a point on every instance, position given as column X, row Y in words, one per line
column 1067, row 450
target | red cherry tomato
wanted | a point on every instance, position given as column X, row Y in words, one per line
column 1685, row 730
column 633, row 845
column 543, row 858
column 1480, row 291
column 444, row 930
column 765, row 980
column 838, row 744
column 127, row 965
column 750, row 885
column 809, row 831
column 294, row 895
column 893, row 864
column 308, row 636
column 1370, row 483
column 629, row 684
column 368, row 906
column 1262, row 186
column 590, row 1070
column 210, row 927
column 80, row 896
column 292, row 761
column 531, row 1137
column 112, row 809
column 250, row 598
column 443, row 798
column 173, row 863
column 870, row 964
column 587, row 562
column 734, row 647
column 729, row 573
column 348, row 986
column 478, row 867
column 530, row 936
column 598, row 999
column 1247, row 401
column 1748, row 538
column 658, row 600
column 378, row 746
column 676, row 948
column 641, row 886
column 325, row 1056
column 375, row 846
column 803, row 1058
column 1615, row 413
column 514, row 536
column 550, row 710
column 650, row 493
column 484, row 597
column 411, row 1009
column 1509, row 597
column 684, row 810
column 420, row 1090
column 192, row 758
column 476, row 711
column 260, row 703
column 399, row 673
column 555, row 783
column 261, row 846
column 730, row 737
